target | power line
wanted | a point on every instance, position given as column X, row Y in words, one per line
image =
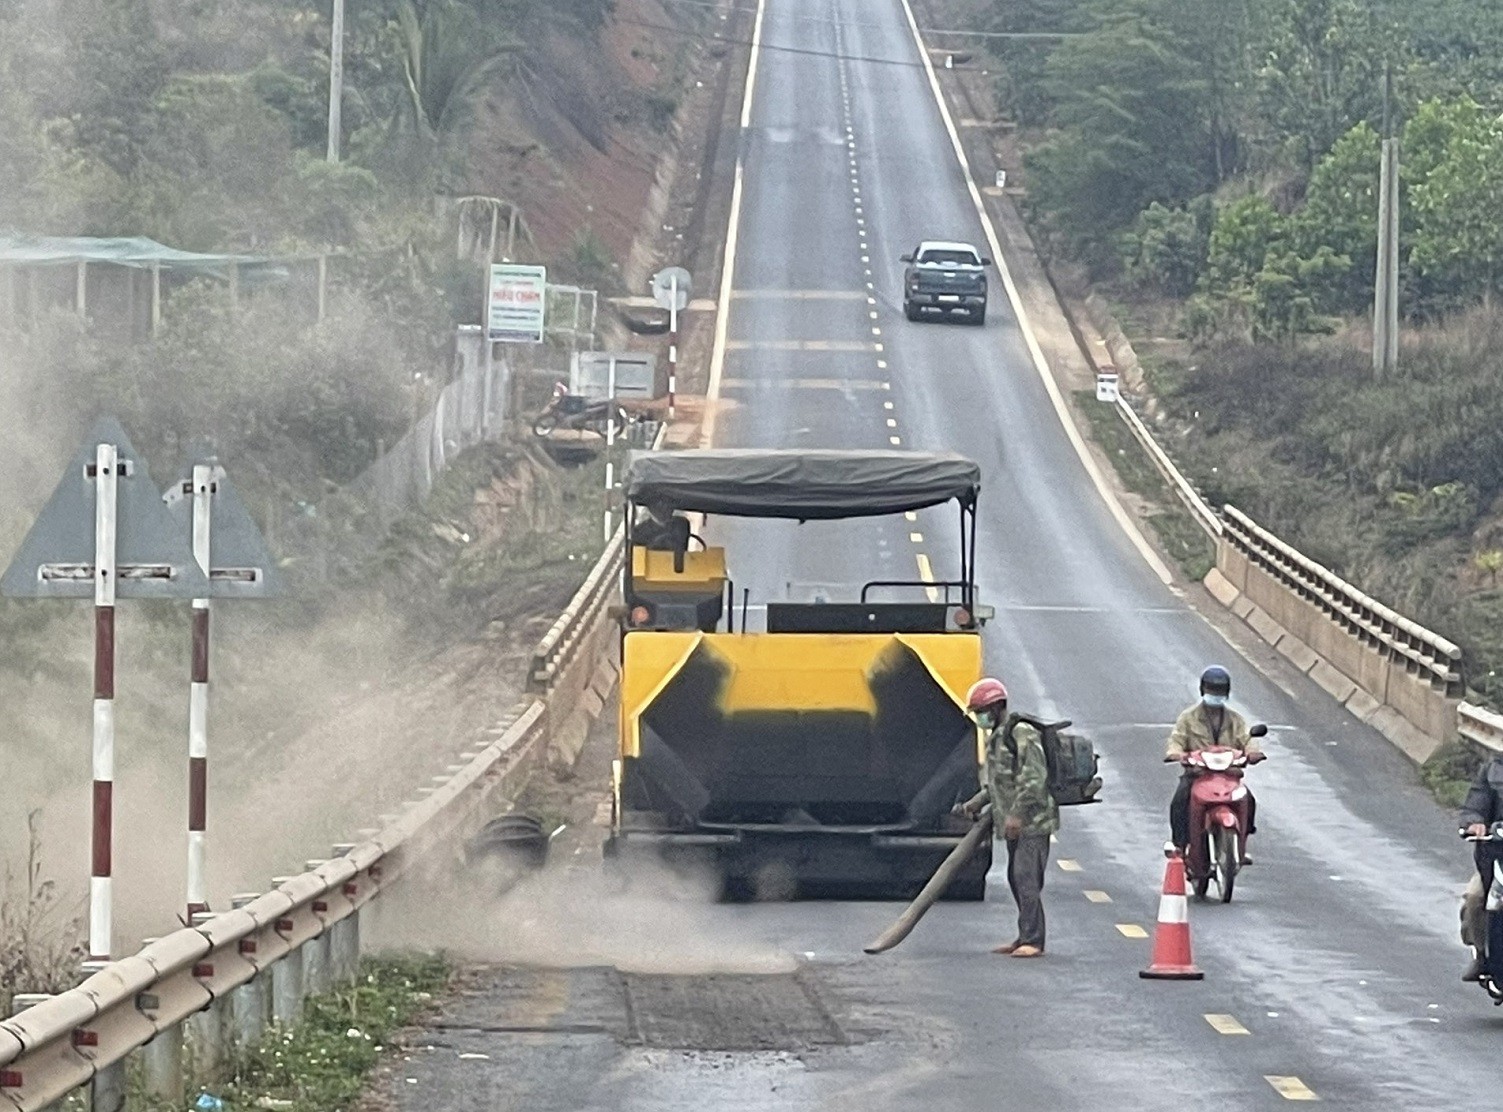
column 764, row 45
column 948, row 31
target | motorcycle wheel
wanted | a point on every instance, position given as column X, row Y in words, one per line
column 544, row 425
column 1201, row 884
column 1226, row 862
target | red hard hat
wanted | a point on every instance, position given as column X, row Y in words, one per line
column 985, row 693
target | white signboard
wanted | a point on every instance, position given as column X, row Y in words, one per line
column 517, row 304
column 635, row 375
column 1106, row 387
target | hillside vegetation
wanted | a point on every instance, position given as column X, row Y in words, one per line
column 1213, row 170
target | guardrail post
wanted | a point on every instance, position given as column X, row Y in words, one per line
column 162, row 1062
column 344, row 937
column 316, row 975
column 206, row 1030
column 287, row 980
column 18, row 1004
column 287, row 988
column 248, row 1002
column 107, row 1089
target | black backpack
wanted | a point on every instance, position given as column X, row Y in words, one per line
column 1073, row 764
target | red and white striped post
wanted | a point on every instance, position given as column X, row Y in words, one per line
column 672, row 342
column 106, row 489
column 198, row 698
column 610, row 444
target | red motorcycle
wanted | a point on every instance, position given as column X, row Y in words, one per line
column 1218, row 817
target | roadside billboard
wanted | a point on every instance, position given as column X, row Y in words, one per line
column 517, row 303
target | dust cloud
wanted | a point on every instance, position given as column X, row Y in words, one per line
column 639, row 918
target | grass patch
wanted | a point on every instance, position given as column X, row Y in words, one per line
column 1177, row 531
column 41, row 944
column 321, row 1064
column 1449, row 771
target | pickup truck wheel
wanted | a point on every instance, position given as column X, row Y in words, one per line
column 978, row 318
column 910, row 310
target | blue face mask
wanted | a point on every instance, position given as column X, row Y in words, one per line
column 1213, row 700
column 986, row 719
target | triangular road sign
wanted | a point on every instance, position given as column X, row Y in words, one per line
column 240, row 565
column 56, row 560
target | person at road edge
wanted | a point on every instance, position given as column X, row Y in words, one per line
column 1482, row 807
column 1209, row 722
column 1023, row 809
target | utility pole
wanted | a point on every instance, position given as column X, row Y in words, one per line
column 336, row 79
column 1386, row 284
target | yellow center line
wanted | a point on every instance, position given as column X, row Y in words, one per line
column 1069, row 866
column 1290, row 1088
column 1096, row 896
column 1131, row 930
column 1226, row 1025
column 926, row 573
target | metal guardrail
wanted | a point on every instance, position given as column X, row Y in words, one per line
column 559, row 646
column 1428, row 652
column 1481, row 726
column 70, row 1039
column 1199, row 508
column 563, row 640
column 62, row 1043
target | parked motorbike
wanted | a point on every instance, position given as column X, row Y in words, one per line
column 573, row 411
column 1218, row 817
column 1492, row 959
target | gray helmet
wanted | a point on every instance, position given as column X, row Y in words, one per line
column 1215, row 680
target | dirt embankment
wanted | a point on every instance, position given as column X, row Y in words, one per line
column 583, row 138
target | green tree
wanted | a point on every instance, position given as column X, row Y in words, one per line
column 1284, row 301
column 1321, row 71
column 1340, row 214
column 1130, row 108
column 1167, row 247
column 121, row 69
column 1247, row 231
column 1457, row 250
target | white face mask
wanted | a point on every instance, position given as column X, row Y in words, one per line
column 1216, row 701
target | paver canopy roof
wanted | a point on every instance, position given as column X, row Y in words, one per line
column 802, row 485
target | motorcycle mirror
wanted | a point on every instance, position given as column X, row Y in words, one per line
column 1259, row 730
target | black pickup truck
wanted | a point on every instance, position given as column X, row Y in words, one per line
column 945, row 279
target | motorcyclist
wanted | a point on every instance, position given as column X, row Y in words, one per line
column 1210, row 722
column 1482, row 807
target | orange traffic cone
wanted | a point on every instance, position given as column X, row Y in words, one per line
column 1171, row 938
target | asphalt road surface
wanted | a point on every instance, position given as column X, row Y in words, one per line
column 1333, row 975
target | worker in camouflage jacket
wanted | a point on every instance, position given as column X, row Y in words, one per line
column 1024, row 813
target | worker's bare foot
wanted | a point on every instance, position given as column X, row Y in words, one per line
column 1011, row 947
column 1028, row 952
